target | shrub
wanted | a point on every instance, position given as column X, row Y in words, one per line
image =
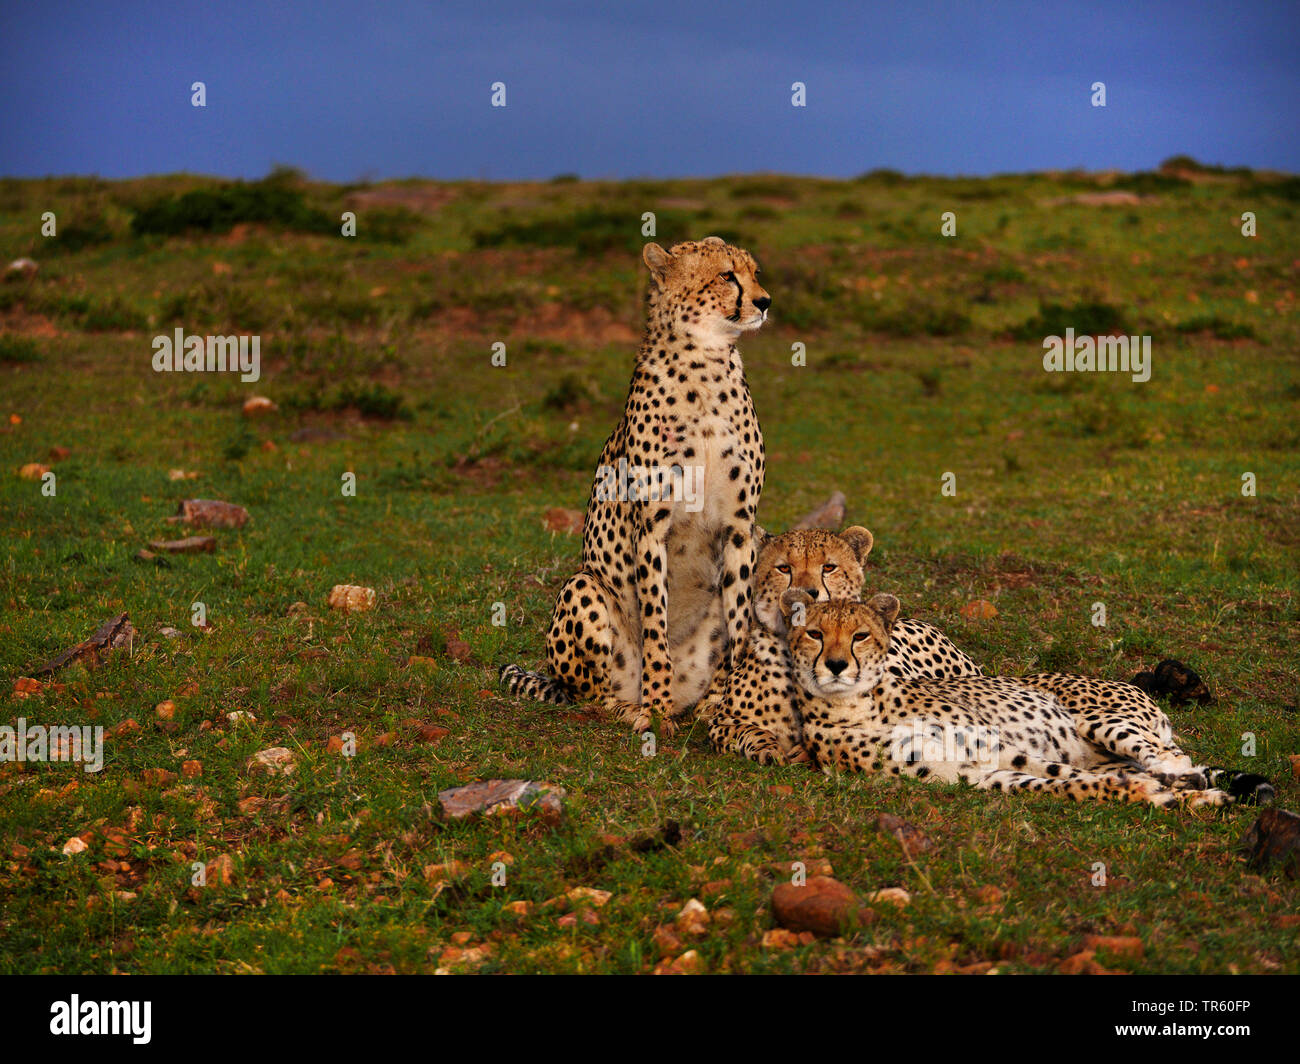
column 217, row 210
column 1086, row 319
column 16, row 349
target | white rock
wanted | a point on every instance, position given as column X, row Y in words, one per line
column 74, row 845
column 274, row 761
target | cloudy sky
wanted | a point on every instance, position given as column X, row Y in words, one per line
column 610, row 89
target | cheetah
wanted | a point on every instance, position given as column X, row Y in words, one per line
column 662, row 597
column 753, row 709
column 1064, row 735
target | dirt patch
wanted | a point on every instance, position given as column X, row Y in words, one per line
column 23, row 324
column 425, row 199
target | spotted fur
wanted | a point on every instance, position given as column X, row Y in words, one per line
column 663, row 595
column 753, row 709
column 1065, row 735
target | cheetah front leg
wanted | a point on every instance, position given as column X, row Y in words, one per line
column 1080, row 785
column 652, row 598
column 739, row 554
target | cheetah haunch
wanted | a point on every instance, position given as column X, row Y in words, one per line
column 662, row 596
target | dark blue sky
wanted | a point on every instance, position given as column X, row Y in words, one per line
column 604, row 89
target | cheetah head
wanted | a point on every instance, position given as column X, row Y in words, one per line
column 709, row 285
column 824, row 565
column 839, row 650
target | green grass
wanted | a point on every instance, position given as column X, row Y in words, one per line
column 1071, row 490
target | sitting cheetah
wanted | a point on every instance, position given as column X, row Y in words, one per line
column 997, row 733
column 753, row 708
column 662, row 597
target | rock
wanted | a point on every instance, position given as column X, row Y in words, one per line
column 188, row 545
column 26, row 686
column 181, row 474
column 165, row 710
column 780, row 938
column 693, row 920
column 1082, row 963
column 989, row 895
column 908, row 836
column 979, row 610
column 351, row 599
column 890, row 896
column 114, row 634
column 23, row 267
column 822, row 905
column 598, row 898
column 829, row 514
column 191, row 769
column 667, row 942
column 1123, row 946
column 1274, row 840
column 209, row 513
column 240, row 716
column 517, row 908
column 689, row 963
column 158, row 777
column 1175, row 680
column 435, row 874
column 168, row 632
column 256, row 405
column 33, row 471
column 502, row 797
column 431, row 733
column 1295, row 765
column 74, row 845
column 274, row 761
column 220, row 871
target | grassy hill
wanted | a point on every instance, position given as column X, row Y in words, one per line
column 923, row 358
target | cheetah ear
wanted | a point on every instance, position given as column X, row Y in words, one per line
column 794, row 606
column 860, row 541
column 762, row 537
column 713, row 240
column 657, row 259
column 886, row 607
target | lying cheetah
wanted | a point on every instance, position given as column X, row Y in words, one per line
column 997, row 733
column 662, row 597
column 753, row 708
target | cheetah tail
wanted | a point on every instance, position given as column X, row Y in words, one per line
column 1245, row 787
column 534, row 685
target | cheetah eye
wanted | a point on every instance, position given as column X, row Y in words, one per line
column 859, row 636
column 730, row 275
column 782, row 568
column 829, row 567
column 814, row 634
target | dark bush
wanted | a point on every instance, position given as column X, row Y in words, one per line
column 1086, row 319
column 218, row 210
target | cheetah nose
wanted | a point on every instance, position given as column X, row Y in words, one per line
column 811, row 592
column 836, row 666
column 763, row 302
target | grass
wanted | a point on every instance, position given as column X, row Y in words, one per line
column 1070, row 490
